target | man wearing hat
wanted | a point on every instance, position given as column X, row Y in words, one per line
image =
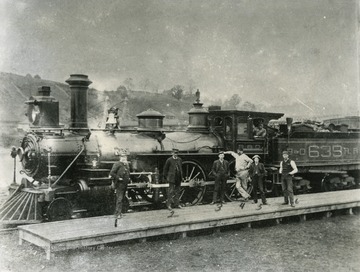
column 257, row 172
column 287, row 170
column 173, row 174
column 242, row 165
column 120, row 172
column 221, row 171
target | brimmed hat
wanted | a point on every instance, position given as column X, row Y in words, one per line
column 175, row 150
column 256, row 156
column 285, row 152
column 221, row 152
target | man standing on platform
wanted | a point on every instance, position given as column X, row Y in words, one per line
column 287, row 170
column 257, row 172
column 242, row 165
column 120, row 172
column 174, row 176
column 221, row 171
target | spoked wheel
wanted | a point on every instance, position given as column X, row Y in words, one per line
column 232, row 192
column 148, row 194
column 59, row 209
column 194, row 175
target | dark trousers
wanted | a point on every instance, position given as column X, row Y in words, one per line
column 120, row 195
column 219, row 188
column 287, row 188
column 258, row 184
column 173, row 195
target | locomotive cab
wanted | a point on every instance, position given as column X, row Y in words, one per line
column 237, row 129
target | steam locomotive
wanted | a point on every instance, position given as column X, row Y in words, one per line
column 65, row 171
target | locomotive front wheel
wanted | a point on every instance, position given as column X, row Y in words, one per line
column 192, row 174
column 59, row 209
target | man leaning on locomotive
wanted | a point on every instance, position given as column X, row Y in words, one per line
column 242, row 165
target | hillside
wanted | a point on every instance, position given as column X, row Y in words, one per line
column 16, row 89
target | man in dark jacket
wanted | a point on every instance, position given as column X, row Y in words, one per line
column 173, row 174
column 257, row 172
column 221, row 171
column 120, row 172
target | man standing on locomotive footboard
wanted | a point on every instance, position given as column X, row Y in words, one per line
column 287, row 170
column 120, row 172
column 173, row 174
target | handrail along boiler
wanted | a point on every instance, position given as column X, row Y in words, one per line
column 65, row 170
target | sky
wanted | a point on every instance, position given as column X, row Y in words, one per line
column 267, row 51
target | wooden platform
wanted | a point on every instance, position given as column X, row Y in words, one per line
column 76, row 233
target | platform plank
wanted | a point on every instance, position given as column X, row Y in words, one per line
column 75, row 233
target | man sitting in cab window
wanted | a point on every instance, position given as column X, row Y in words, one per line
column 259, row 130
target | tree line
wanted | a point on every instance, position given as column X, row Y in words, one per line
column 180, row 92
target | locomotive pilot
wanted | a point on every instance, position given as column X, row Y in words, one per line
column 287, row 170
column 242, row 165
column 120, row 172
column 173, row 174
column 221, row 171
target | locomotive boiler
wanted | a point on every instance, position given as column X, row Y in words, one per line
column 65, row 170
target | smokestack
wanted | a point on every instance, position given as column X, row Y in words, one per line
column 79, row 86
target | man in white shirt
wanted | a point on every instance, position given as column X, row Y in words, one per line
column 242, row 165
